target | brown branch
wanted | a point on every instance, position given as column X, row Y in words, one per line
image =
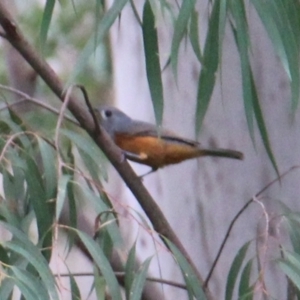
column 114, row 154
column 237, row 217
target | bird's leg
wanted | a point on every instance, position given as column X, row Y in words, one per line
column 139, row 158
column 148, row 173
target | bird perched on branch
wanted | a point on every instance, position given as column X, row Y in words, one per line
column 145, row 144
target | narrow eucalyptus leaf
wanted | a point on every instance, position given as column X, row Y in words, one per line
column 103, row 264
column 210, row 64
column 234, row 271
column 152, row 61
column 180, row 28
column 139, row 281
column 47, row 16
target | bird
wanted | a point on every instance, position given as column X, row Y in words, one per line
column 147, row 144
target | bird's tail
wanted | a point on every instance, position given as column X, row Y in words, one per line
column 222, row 153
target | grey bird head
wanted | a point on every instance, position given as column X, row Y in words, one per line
column 112, row 119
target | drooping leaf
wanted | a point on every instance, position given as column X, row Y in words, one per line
column 180, row 28
column 103, row 26
column 139, row 281
column 101, row 207
column 50, row 174
column 280, row 23
column 234, row 271
column 75, row 291
column 194, row 36
column 47, row 16
column 100, row 286
column 7, row 286
column 262, row 126
column 245, row 289
column 42, row 207
column 290, row 265
column 103, row 264
column 210, row 65
column 193, row 285
column 130, row 268
column 31, row 283
column 152, row 61
column 61, row 194
column 241, row 34
column 222, row 25
column 24, row 247
column 95, row 160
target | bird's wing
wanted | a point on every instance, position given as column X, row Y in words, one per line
column 146, row 129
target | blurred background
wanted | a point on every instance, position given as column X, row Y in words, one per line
column 230, row 79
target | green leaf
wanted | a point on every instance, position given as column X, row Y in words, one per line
column 289, row 39
column 6, row 290
column 139, row 281
column 262, row 126
column 26, row 292
column 152, row 62
column 222, row 25
column 291, row 267
column 242, row 39
column 75, row 291
column 72, row 205
column 88, row 148
column 4, row 258
column 42, row 208
column 103, row 27
column 245, row 290
column 280, row 22
column 102, row 263
column 262, row 8
column 49, row 168
column 24, row 247
column 194, row 35
column 4, row 128
column 190, row 278
column 7, row 214
column 210, row 65
column 32, row 283
column 180, row 28
column 61, row 194
column 130, row 270
column 100, row 286
column 47, row 16
column 101, row 207
column 251, row 101
column 234, row 271
column 14, row 188
column 294, row 233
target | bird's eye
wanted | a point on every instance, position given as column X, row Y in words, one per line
column 108, row 113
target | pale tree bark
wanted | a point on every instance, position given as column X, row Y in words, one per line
column 201, row 197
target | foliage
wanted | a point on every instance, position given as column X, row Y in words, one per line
column 45, row 169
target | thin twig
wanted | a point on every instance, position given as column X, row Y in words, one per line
column 122, row 275
column 91, row 109
column 33, row 100
column 278, row 178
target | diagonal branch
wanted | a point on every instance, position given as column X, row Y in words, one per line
column 17, row 40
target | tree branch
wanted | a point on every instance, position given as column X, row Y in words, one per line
column 113, row 153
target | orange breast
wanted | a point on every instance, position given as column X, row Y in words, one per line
column 156, row 152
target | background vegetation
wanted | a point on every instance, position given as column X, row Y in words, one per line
column 52, row 167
